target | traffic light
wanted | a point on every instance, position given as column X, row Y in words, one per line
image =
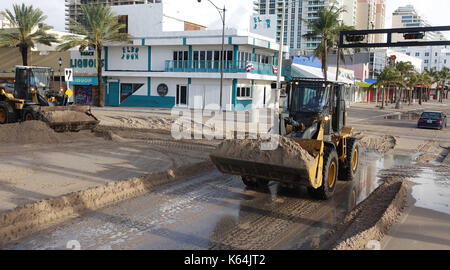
column 415, row 35
column 354, row 38
column 391, row 60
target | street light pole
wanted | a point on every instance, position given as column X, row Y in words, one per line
column 222, row 58
column 60, row 77
column 280, row 59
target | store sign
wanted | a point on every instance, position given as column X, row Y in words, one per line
column 130, row 53
column 264, row 25
column 84, row 62
column 85, row 81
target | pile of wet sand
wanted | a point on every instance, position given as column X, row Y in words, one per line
column 27, row 132
column 66, row 116
column 381, row 144
column 372, row 219
column 288, row 154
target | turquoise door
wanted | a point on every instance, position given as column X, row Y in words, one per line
column 113, row 97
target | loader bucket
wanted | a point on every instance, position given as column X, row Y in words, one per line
column 69, row 118
column 286, row 167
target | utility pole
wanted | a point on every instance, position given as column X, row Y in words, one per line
column 60, row 77
column 280, row 59
column 277, row 118
column 222, row 60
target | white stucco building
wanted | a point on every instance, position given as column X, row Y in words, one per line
column 164, row 66
column 436, row 57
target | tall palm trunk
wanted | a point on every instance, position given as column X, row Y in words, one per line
column 325, row 58
column 420, row 95
column 24, row 52
column 101, row 90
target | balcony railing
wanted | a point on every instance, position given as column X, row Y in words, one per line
column 214, row 67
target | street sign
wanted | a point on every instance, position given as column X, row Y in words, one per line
column 69, row 74
column 69, row 92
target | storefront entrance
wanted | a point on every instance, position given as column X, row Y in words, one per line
column 83, row 94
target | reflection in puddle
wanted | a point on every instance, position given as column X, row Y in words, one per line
column 433, row 190
column 404, row 116
column 367, row 180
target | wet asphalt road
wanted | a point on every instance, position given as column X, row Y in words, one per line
column 215, row 211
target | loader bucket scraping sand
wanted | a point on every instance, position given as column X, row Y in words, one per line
column 294, row 162
column 69, row 118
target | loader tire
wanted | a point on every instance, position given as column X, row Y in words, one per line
column 7, row 114
column 348, row 170
column 252, row 184
column 29, row 115
column 330, row 173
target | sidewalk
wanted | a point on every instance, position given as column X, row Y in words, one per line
column 425, row 223
column 390, row 108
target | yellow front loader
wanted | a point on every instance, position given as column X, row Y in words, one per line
column 317, row 121
column 33, row 98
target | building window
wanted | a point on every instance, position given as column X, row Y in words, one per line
column 182, row 95
column 128, row 89
column 426, row 61
column 417, row 54
column 427, row 54
column 244, row 92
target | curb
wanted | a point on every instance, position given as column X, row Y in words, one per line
column 34, row 217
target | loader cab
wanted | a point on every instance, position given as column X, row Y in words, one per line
column 309, row 101
column 32, row 83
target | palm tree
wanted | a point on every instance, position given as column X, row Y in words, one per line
column 406, row 70
column 390, row 76
column 28, row 30
column 97, row 25
column 327, row 25
column 434, row 74
column 425, row 81
column 444, row 75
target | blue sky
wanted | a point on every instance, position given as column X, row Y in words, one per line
column 436, row 11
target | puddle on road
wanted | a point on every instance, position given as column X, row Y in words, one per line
column 367, row 179
column 433, row 189
column 302, row 222
column 405, row 116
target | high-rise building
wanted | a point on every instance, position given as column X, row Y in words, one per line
column 350, row 7
column 371, row 15
column 73, row 7
column 380, row 19
column 404, row 17
column 295, row 27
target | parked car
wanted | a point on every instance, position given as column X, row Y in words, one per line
column 432, row 119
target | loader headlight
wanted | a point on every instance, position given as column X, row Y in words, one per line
column 327, row 118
